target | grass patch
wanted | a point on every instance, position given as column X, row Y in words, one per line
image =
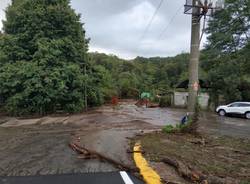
column 178, row 128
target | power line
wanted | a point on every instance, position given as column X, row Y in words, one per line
column 151, row 20
column 170, row 22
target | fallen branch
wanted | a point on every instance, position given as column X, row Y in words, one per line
column 87, row 157
column 171, row 182
column 233, row 150
column 195, row 176
column 132, row 151
column 241, row 152
column 184, row 171
column 89, row 153
column 139, row 135
column 212, row 145
column 199, row 142
column 75, row 148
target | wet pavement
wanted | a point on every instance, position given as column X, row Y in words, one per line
column 30, row 152
column 40, row 146
column 89, row 178
column 228, row 126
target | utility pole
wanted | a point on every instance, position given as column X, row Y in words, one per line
column 84, row 67
column 85, row 87
column 194, row 61
column 198, row 9
column 86, row 59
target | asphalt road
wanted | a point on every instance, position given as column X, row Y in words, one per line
column 94, row 178
column 226, row 126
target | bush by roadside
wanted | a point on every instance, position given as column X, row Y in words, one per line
column 165, row 101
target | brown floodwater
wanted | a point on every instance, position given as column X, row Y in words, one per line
column 39, row 146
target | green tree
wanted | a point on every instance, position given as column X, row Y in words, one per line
column 229, row 29
column 42, row 51
column 128, row 85
column 226, row 58
column 224, row 80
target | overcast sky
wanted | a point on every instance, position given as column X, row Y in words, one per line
column 117, row 26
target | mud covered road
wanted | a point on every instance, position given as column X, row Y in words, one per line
column 36, row 150
column 40, row 146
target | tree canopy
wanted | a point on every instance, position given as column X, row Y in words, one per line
column 45, row 65
column 226, row 57
column 42, row 52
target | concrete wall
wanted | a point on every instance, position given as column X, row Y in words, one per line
column 203, row 100
column 181, row 99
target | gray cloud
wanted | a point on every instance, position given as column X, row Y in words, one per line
column 116, row 26
column 3, row 5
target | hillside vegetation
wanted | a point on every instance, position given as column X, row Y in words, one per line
column 45, row 65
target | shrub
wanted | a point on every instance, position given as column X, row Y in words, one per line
column 178, row 128
column 165, row 101
column 169, row 129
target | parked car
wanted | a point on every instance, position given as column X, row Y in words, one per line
column 236, row 108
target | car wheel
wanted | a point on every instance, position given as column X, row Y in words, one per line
column 248, row 115
column 222, row 112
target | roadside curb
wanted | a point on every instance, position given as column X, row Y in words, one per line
column 148, row 174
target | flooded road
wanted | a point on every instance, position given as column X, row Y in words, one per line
column 26, row 151
column 229, row 126
column 40, row 146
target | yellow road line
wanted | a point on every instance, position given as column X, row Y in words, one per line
column 148, row 174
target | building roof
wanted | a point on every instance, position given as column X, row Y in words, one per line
column 184, row 84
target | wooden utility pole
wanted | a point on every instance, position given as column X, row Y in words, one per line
column 85, row 87
column 198, row 9
column 194, row 60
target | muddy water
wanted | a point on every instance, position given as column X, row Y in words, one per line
column 154, row 116
column 27, row 151
column 40, row 146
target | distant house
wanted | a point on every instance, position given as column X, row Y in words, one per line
column 181, row 94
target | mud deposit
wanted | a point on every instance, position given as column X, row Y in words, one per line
column 40, row 146
column 224, row 159
column 42, row 150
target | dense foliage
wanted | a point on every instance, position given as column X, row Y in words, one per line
column 226, row 58
column 129, row 78
column 44, row 65
column 42, row 57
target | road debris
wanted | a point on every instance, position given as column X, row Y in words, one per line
column 87, row 153
column 135, row 151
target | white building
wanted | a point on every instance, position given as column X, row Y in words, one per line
column 181, row 99
column 181, row 95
